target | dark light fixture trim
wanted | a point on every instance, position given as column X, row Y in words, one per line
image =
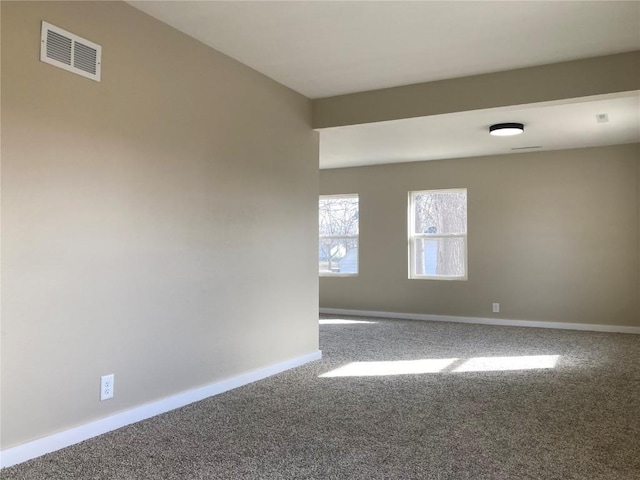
column 506, row 129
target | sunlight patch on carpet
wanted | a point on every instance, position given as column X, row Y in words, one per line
column 494, row 364
column 437, row 365
column 399, row 367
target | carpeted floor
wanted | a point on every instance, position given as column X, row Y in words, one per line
column 467, row 418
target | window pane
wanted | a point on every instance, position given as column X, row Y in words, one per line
column 436, row 212
column 439, row 256
column 339, row 215
column 338, row 255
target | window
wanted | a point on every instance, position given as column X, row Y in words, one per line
column 338, row 249
column 438, row 234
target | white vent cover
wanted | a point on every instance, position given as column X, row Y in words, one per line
column 71, row 52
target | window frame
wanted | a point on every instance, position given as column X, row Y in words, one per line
column 412, row 236
column 341, row 237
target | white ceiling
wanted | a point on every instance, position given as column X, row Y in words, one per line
column 549, row 125
column 326, row 48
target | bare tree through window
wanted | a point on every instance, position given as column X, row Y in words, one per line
column 438, row 233
column 339, row 230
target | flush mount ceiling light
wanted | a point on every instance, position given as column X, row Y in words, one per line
column 506, row 129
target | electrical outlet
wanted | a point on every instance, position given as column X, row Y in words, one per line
column 496, row 308
column 106, row 387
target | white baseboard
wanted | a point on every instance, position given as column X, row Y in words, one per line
column 51, row 443
column 484, row 321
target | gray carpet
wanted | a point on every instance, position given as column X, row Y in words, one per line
column 579, row 420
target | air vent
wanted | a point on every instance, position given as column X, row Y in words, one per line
column 70, row 52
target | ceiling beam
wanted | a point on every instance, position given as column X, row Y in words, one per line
column 558, row 81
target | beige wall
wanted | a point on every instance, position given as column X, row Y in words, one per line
column 155, row 225
column 552, row 236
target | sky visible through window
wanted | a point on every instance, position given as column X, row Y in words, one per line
column 438, row 236
column 339, row 230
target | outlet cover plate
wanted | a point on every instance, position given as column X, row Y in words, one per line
column 106, row 387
